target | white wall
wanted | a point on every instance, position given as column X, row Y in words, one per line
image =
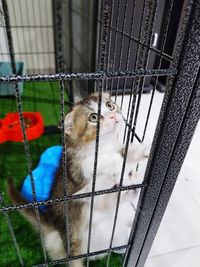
column 32, row 31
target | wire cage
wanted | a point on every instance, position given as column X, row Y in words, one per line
column 126, row 48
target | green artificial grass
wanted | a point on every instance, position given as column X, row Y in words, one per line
column 38, row 96
column 43, row 97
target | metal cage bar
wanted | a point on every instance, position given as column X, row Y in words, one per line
column 99, row 86
column 88, row 76
column 175, row 128
column 67, row 198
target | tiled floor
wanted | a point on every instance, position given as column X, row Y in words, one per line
column 177, row 243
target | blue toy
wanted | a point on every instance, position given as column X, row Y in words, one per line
column 43, row 176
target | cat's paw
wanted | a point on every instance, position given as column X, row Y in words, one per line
column 130, row 176
column 146, row 151
column 138, row 152
column 134, row 177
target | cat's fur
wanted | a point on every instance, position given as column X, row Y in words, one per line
column 80, row 146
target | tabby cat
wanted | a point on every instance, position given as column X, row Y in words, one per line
column 80, row 130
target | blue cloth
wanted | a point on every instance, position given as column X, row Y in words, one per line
column 43, row 176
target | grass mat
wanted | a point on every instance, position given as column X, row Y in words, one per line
column 43, row 97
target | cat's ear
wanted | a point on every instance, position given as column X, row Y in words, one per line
column 68, row 123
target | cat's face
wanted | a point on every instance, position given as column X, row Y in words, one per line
column 81, row 122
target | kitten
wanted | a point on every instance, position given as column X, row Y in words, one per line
column 80, row 129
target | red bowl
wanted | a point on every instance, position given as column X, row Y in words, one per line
column 10, row 128
column 3, row 137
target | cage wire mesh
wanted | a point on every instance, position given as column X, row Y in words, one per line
column 128, row 52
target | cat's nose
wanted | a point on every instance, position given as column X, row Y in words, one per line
column 113, row 116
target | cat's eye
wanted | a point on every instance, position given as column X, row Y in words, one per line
column 110, row 106
column 93, row 117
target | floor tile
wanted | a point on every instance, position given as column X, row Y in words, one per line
column 180, row 227
column 190, row 172
column 185, row 258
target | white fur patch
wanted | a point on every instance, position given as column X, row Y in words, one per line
column 108, row 174
column 54, row 245
column 109, row 168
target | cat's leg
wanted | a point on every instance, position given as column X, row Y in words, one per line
column 136, row 163
column 133, row 173
column 75, row 249
column 54, row 245
column 75, row 246
column 76, row 263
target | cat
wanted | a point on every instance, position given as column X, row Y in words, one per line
column 80, row 130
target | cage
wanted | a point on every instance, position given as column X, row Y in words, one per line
column 126, row 48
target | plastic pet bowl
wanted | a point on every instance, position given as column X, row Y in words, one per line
column 10, row 129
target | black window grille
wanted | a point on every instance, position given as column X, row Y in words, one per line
column 128, row 61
